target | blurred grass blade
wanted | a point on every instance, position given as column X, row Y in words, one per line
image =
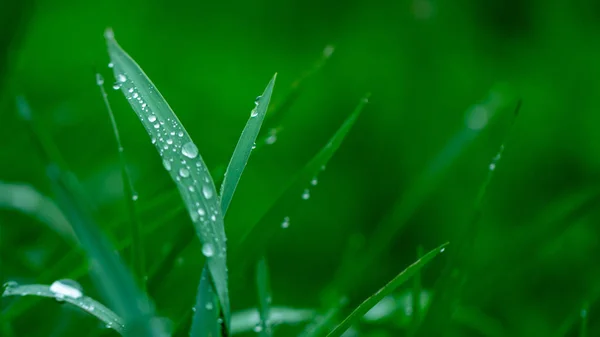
column 247, row 320
column 397, row 281
column 137, row 246
column 244, row 147
column 181, row 159
column 264, row 298
column 26, row 199
column 255, row 237
column 583, row 327
column 322, row 322
column 205, row 322
column 108, row 271
column 87, row 304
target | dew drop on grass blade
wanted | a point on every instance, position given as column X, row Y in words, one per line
column 205, row 321
column 108, row 271
column 181, row 158
column 248, row 247
column 397, row 281
column 60, row 291
column 244, row 147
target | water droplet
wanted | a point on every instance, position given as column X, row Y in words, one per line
column 254, row 112
column 271, row 139
column 191, row 188
column 194, row 216
column 194, row 309
column 152, row 118
column 258, row 328
column 442, row 250
column 170, row 141
column 201, row 211
column 329, row 49
column 10, row 284
column 180, row 133
column 111, row 65
column 184, row 173
column 207, row 191
column 209, row 306
column 121, row 78
column 314, row 181
column 306, row 194
column 153, row 140
column 220, row 320
column 286, row 222
column 189, row 150
column 135, row 95
column 492, row 166
column 157, row 125
column 167, row 164
column 116, row 86
column 99, row 79
column 253, row 146
column 208, row 250
column 257, row 100
column 130, row 90
column 134, row 197
column 66, row 288
column 144, row 105
column 213, row 218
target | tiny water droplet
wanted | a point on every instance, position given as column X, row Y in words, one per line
column 135, row 95
column 442, row 250
column 201, row 211
column 134, row 197
column 258, row 328
column 191, row 188
column 189, row 150
column 492, row 166
column 153, row 140
column 253, row 146
column 184, row 173
column 130, row 90
column 194, row 309
column 208, row 250
column 157, row 125
column 180, row 134
column 152, row 118
column 167, row 164
column 116, row 86
column 271, row 139
column 306, row 194
column 170, row 141
column 209, row 306
column 207, row 192
column 257, row 99
column 314, row 181
column 286, row 222
column 99, row 79
column 111, row 65
column 194, row 216
column 121, row 78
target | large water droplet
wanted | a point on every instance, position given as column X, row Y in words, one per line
column 254, row 112
column 66, row 288
column 189, row 150
column 208, row 250
column 152, row 118
column 167, row 164
column 184, row 173
column 207, row 191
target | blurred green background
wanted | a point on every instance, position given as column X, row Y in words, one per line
column 533, row 262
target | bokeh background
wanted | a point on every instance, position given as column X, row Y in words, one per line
column 532, row 263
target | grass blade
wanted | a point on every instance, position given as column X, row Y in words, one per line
column 397, row 281
column 247, row 320
column 181, row 159
column 244, row 147
column 108, row 270
column 24, row 198
column 255, row 238
column 137, row 245
column 264, row 298
column 205, row 322
column 87, row 304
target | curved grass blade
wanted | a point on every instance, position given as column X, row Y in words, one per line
column 181, row 159
column 253, row 241
column 244, row 147
column 26, row 199
column 264, row 298
column 205, row 322
column 87, row 304
column 397, row 281
column 137, row 245
column 108, row 271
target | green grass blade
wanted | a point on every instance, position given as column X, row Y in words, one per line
column 397, row 281
column 108, row 271
column 26, row 199
column 264, row 298
column 181, row 159
column 324, row 321
column 255, row 238
column 87, row 304
column 137, row 245
column 205, row 322
column 247, row 320
column 244, row 147
column 583, row 327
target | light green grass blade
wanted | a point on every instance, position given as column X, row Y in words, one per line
column 397, row 281
column 26, row 199
column 244, row 147
column 205, row 322
column 108, row 271
column 137, row 246
column 87, row 304
column 253, row 241
column 264, row 298
column 247, row 320
column 181, row 159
